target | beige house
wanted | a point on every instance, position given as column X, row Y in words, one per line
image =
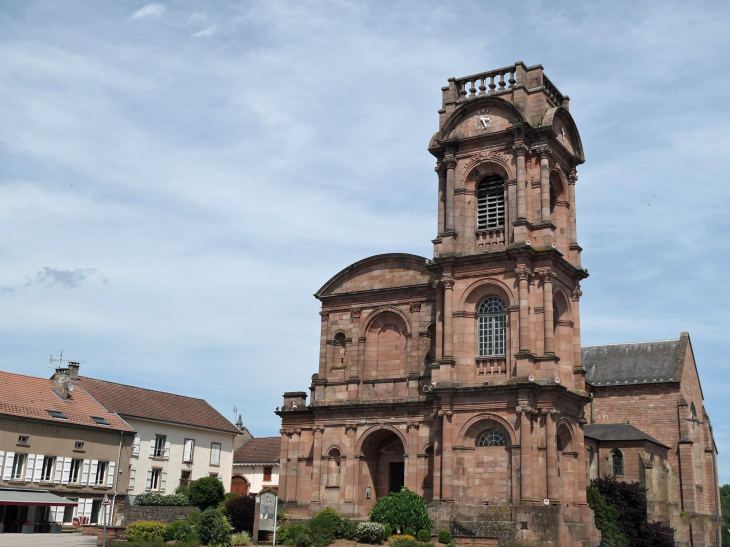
column 178, row 439
column 256, row 466
column 61, row 452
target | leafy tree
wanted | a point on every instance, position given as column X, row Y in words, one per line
column 206, row 492
column 605, row 518
column 213, row 528
column 401, row 510
column 725, row 506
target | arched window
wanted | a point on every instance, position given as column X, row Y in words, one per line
column 492, row 327
column 618, row 462
column 492, row 437
column 490, row 203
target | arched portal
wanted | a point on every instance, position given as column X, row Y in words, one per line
column 239, row 485
column 383, row 460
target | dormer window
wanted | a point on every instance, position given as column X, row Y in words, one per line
column 57, row 414
column 490, row 203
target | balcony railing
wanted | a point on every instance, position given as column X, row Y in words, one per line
column 490, row 239
column 467, row 89
column 491, row 366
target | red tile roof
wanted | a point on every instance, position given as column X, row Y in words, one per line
column 137, row 402
column 262, row 450
column 30, row 397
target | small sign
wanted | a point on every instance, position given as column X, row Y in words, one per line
column 106, row 501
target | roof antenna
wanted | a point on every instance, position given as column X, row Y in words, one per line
column 58, row 359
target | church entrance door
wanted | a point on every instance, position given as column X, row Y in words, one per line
column 397, row 476
column 383, row 457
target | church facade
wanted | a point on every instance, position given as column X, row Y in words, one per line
column 461, row 376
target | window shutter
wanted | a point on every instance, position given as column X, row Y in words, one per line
column 163, row 481
column 110, row 479
column 132, row 475
column 80, row 509
column 66, row 473
column 135, row 446
column 2, row 456
column 187, row 451
column 167, row 450
column 59, row 471
column 92, row 473
column 215, row 454
column 85, row 473
column 148, row 487
column 152, row 446
column 87, row 508
column 29, row 468
column 10, row 456
column 38, row 468
column 220, row 477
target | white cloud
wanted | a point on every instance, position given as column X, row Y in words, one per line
column 208, row 31
column 153, row 11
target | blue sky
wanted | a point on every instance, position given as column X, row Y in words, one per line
column 177, row 179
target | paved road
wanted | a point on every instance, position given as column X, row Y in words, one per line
column 47, row 540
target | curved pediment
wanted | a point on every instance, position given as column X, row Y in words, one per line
column 481, row 117
column 379, row 272
column 567, row 133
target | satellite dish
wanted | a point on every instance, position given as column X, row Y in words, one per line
column 70, row 387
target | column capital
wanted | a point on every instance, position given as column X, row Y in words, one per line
column 519, row 149
column 526, row 409
column 523, row 273
column 318, row 429
column 572, row 177
column 350, row 427
column 447, row 282
column 415, row 307
column 547, row 274
column 543, row 152
column 325, row 315
column 355, row 313
column 440, row 167
column 413, row 425
column 577, row 293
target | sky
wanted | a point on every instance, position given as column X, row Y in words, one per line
column 178, row 178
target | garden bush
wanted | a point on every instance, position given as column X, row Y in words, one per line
column 240, row 538
column 213, row 528
column 241, row 512
column 401, row 510
column 146, row 531
column 409, row 532
column 371, row 532
column 388, row 531
column 424, row 536
column 153, row 498
column 323, row 527
column 348, row 530
column 301, row 539
column 206, row 492
column 285, row 534
column 180, row 530
column 193, row 517
column 444, row 536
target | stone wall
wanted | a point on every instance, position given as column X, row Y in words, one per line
column 131, row 513
column 112, row 533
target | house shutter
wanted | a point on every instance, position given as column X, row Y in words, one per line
column 29, row 468
column 66, row 473
column 110, row 479
column 132, row 475
column 85, row 473
column 38, row 468
column 92, row 473
column 2, row 456
column 148, row 487
column 9, row 457
column 135, row 446
column 80, row 508
column 152, row 446
column 188, row 451
column 87, row 509
column 163, row 481
column 215, row 454
column 167, row 450
column 59, row 471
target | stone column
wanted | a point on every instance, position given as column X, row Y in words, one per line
column 450, row 187
column 437, row 452
column 441, row 171
column 545, row 185
column 547, row 303
column 572, row 178
column 439, row 320
column 293, row 465
column 523, row 411
column 284, row 464
column 577, row 358
column 581, row 481
column 351, row 465
column 447, row 460
column 354, row 353
column 448, row 283
column 551, row 444
column 414, row 359
column 520, row 150
column 412, row 458
column 523, row 274
column 317, row 463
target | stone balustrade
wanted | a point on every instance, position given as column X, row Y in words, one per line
column 466, row 86
column 490, row 239
column 491, row 366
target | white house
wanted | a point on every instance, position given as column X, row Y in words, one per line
column 179, row 439
column 256, row 465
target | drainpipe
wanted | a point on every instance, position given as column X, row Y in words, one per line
column 116, row 479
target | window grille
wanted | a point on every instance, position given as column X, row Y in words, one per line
column 490, row 203
column 492, row 437
column 492, row 327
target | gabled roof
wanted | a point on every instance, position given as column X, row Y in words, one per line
column 31, row 397
column 261, row 450
column 618, row 432
column 657, row 361
column 148, row 404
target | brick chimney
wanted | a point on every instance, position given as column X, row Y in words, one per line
column 61, row 381
column 73, row 366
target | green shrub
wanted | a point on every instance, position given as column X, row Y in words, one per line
column 180, row 530
column 348, row 530
column 286, row 534
column 183, row 489
column 323, row 527
column 388, row 531
column 193, row 517
column 213, row 528
column 444, row 536
column 409, row 532
column 240, row 538
column 424, row 536
column 401, row 510
column 370, row 532
column 153, row 498
column 206, row 492
column 241, row 511
column 301, row 539
column 146, row 531
column 605, row 517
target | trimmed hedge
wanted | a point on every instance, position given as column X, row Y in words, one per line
column 146, row 531
column 155, row 499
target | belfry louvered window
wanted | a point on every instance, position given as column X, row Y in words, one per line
column 492, row 327
column 490, row 203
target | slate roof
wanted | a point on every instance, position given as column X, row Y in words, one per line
column 658, row 361
column 618, row 432
column 261, row 450
column 137, row 402
column 31, row 397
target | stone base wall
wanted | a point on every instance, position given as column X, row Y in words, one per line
column 112, row 533
column 126, row 514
